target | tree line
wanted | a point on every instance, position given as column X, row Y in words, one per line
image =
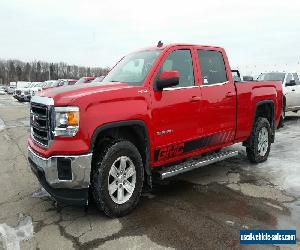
column 38, row 71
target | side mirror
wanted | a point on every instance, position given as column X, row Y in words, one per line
column 247, row 78
column 291, row 83
column 167, row 79
column 236, row 75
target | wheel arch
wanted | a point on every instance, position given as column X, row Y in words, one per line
column 133, row 130
column 266, row 109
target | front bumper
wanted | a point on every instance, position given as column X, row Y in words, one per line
column 66, row 178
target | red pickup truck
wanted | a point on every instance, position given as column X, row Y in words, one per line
column 159, row 112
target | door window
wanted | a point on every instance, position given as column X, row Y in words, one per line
column 212, row 67
column 296, row 78
column 181, row 60
column 288, row 78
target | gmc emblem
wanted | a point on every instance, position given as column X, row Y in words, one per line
column 171, row 151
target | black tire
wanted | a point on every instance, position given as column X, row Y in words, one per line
column 100, row 178
column 252, row 150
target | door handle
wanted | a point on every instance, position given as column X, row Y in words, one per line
column 230, row 94
column 195, row 99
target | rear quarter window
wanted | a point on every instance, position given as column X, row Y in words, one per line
column 212, row 67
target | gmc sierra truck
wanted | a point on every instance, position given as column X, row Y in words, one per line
column 160, row 111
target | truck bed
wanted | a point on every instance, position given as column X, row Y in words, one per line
column 248, row 95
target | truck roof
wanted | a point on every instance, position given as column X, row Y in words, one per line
column 164, row 46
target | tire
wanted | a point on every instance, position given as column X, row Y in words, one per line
column 107, row 188
column 260, row 141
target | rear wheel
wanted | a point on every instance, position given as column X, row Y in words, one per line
column 118, row 178
column 260, row 141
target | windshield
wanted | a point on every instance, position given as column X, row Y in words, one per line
column 81, row 80
column 133, row 68
column 98, row 79
column 271, row 77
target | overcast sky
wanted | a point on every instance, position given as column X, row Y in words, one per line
column 256, row 34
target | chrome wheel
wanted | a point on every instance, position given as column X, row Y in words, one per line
column 263, row 141
column 121, row 180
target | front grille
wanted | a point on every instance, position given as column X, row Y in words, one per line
column 18, row 92
column 40, row 123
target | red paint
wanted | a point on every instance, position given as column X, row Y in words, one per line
column 189, row 113
column 169, row 75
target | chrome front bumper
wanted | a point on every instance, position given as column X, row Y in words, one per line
column 80, row 168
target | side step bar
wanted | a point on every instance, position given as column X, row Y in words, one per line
column 196, row 163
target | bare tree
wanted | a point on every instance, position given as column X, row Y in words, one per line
column 15, row 70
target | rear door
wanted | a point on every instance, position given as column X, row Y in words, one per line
column 218, row 103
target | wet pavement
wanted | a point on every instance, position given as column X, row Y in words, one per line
column 203, row 209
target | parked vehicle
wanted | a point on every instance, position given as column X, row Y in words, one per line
column 152, row 115
column 10, row 90
column 36, row 88
column 291, row 89
column 13, row 84
column 86, row 79
column 50, row 84
column 66, row 82
column 24, row 94
column 21, row 89
column 22, row 84
column 2, row 91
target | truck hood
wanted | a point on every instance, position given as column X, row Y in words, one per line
column 67, row 94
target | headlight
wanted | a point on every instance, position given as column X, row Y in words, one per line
column 66, row 121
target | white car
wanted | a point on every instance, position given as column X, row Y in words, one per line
column 290, row 86
column 2, row 91
column 10, row 90
column 23, row 94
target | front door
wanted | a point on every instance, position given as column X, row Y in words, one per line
column 175, row 111
column 292, row 92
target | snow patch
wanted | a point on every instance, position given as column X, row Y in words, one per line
column 40, row 193
column 2, row 125
column 11, row 236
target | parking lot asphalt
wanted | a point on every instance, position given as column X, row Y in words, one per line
column 203, row 209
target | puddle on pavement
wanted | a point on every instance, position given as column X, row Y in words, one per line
column 10, row 237
column 292, row 221
column 185, row 216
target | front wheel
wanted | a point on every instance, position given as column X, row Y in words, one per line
column 260, row 141
column 118, row 178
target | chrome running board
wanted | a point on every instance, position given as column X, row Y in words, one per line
column 196, row 163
